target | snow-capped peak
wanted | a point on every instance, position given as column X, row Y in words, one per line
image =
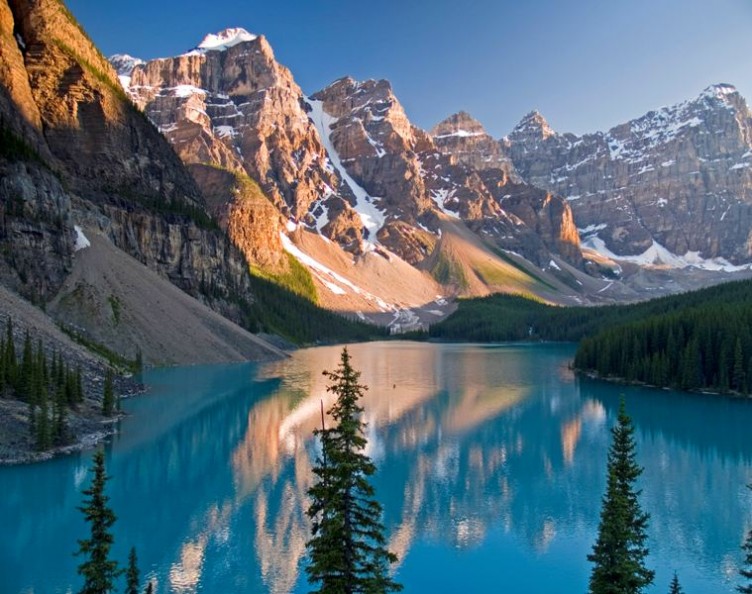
column 124, row 64
column 535, row 123
column 720, row 90
column 226, row 39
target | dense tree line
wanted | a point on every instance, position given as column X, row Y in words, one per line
column 48, row 385
column 506, row 317
column 705, row 347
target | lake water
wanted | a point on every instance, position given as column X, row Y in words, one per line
column 491, row 471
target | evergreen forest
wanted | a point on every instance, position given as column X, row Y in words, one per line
column 49, row 386
column 500, row 318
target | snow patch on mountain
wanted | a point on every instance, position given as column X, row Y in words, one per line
column 124, row 65
column 460, row 134
column 81, row 240
column 370, row 215
column 657, row 255
column 441, row 198
column 336, row 283
column 225, row 39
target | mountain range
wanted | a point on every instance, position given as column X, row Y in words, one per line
column 658, row 204
column 213, row 168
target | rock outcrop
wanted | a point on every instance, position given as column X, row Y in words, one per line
column 464, row 137
column 678, row 178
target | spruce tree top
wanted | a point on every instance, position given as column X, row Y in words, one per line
column 98, row 570
column 347, row 550
column 620, row 551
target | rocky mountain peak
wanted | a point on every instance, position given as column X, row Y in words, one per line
column 346, row 94
column 532, row 126
column 464, row 140
column 225, row 39
column 459, row 124
column 678, row 178
column 124, row 63
column 720, row 91
column 374, row 106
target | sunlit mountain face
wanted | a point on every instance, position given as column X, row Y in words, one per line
column 491, row 462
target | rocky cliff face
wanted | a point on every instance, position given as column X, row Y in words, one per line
column 77, row 150
column 345, row 162
column 458, row 170
column 673, row 184
column 374, row 147
column 230, row 104
column 464, row 137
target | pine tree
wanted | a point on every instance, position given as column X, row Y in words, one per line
column 620, row 550
column 149, row 588
column 675, row 586
column 746, row 571
column 42, row 423
column 98, row 569
column 60, row 418
column 738, row 376
column 131, row 574
column 108, row 395
column 79, row 386
column 347, row 547
column 27, row 370
column 11, row 366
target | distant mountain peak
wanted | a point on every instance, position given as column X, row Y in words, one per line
column 459, row 124
column 533, row 124
column 225, row 39
column 124, row 63
column 719, row 91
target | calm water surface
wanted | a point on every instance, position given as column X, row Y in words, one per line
column 491, row 470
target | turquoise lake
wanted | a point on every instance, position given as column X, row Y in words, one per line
column 491, row 471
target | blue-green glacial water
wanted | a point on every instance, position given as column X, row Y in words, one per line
column 491, row 470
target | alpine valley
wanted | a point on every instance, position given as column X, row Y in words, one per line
column 180, row 210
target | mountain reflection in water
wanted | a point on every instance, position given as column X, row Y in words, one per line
column 491, row 467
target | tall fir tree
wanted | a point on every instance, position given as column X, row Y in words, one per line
column 79, row 386
column 675, row 587
column 347, row 549
column 131, row 574
column 11, row 366
column 26, row 383
column 620, row 549
column 42, row 422
column 746, row 570
column 108, row 395
column 60, row 418
column 98, row 570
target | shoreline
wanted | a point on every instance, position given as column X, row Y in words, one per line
column 87, row 426
column 640, row 384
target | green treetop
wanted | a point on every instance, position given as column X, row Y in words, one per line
column 675, row 586
column 620, row 550
column 98, row 570
column 347, row 549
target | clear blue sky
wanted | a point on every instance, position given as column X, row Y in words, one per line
column 586, row 65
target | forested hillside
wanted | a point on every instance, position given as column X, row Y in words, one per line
column 694, row 341
column 505, row 317
column 705, row 346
